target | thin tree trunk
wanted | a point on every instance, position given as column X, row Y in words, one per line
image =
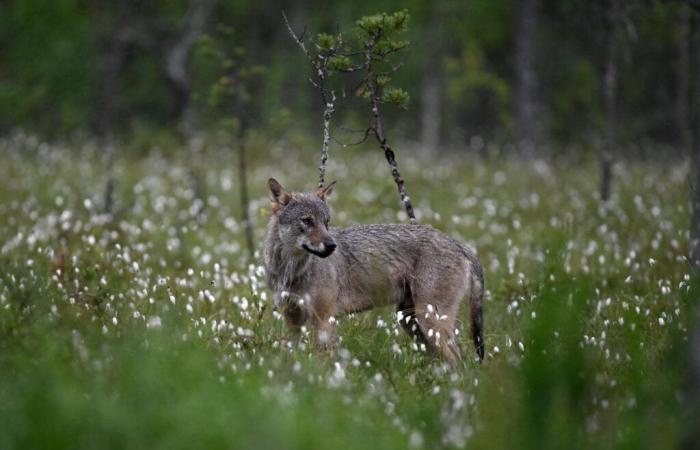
column 243, row 188
column 378, row 130
column 693, row 400
column 431, row 100
column 198, row 194
column 177, row 73
column 609, row 100
column 431, row 85
column 682, row 76
column 319, row 63
column 525, row 77
column 693, row 380
column 328, row 110
column 113, row 46
column 695, row 161
column 176, row 64
column 110, row 184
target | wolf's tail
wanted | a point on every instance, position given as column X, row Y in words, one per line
column 476, row 301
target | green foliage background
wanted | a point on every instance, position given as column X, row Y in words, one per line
column 50, row 63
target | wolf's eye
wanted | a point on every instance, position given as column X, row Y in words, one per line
column 308, row 221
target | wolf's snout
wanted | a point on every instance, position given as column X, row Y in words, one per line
column 330, row 246
column 323, row 250
column 327, row 248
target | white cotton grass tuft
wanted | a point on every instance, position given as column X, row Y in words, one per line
column 153, row 322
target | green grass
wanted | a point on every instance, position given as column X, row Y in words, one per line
column 152, row 329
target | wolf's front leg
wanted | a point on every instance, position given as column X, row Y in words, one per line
column 324, row 334
column 323, row 318
column 294, row 317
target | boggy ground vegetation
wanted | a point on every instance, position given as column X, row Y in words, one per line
column 150, row 327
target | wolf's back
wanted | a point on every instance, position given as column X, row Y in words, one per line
column 369, row 255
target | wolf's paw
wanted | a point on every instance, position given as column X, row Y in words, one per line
column 325, row 339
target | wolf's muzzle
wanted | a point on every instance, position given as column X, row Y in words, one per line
column 327, row 248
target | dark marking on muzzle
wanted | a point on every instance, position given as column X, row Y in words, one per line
column 328, row 248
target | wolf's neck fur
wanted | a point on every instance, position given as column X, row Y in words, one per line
column 284, row 266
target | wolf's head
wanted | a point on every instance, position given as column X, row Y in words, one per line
column 303, row 219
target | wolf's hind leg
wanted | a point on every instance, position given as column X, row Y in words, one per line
column 438, row 335
column 407, row 319
column 406, row 312
column 435, row 315
column 427, row 326
column 428, row 329
column 476, row 314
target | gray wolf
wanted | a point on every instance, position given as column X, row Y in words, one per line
column 318, row 272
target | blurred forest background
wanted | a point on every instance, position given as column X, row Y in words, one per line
column 539, row 74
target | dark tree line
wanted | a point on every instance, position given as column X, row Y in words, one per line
column 531, row 72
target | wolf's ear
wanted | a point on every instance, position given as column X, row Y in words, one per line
column 278, row 196
column 325, row 191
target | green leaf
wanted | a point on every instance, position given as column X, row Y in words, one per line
column 340, row 62
column 382, row 80
column 383, row 23
column 326, row 41
column 396, row 95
